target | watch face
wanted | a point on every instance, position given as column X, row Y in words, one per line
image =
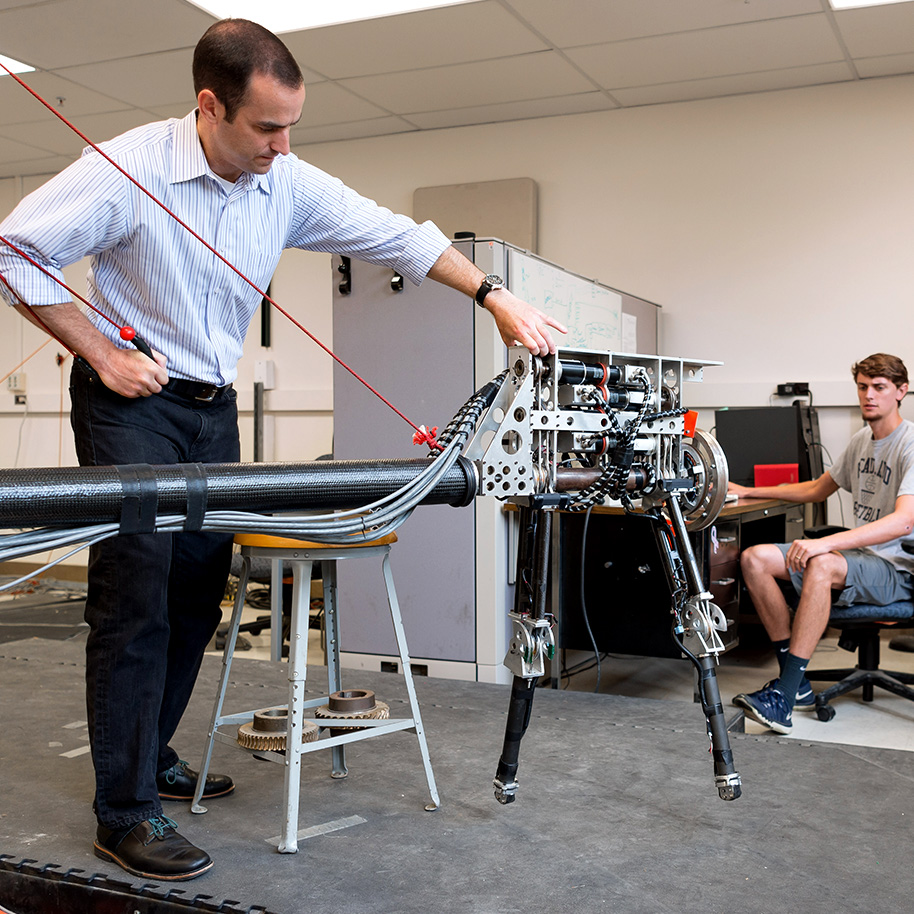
column 493, row 280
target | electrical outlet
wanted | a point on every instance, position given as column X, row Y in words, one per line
column 15, row 383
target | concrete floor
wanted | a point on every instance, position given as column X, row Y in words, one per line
column 616, row 811
column 887, row 722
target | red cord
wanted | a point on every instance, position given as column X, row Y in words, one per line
column 127, row 333
column 208, row 246
column 31, row 310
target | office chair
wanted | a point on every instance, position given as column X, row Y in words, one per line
column 861, row 625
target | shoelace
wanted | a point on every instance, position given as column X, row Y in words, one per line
column 171, row 776
column 159, row 824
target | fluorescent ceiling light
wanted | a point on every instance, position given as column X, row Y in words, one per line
column 14, row 65
column 293, row 15
column 854, row 4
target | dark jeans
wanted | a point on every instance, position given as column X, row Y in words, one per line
column 154, row 599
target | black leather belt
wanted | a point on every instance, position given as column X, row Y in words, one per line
column 194, row 390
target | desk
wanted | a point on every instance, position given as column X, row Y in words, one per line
column 625, row 589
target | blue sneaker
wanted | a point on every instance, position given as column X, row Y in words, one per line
column 769, row 706
column 805, row 700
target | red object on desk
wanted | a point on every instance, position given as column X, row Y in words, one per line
column 774, row 474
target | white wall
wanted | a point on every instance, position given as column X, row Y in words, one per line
column 775, row 229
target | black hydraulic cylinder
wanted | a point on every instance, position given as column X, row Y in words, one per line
column 679, row 560
column 574, row 371
column 519, row 711
column 65, row 496
column 529, row 599
column 725, row 775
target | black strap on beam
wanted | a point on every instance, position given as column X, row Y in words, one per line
column 141, row 497
column 196, row 496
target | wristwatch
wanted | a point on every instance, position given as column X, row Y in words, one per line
column 489, row 284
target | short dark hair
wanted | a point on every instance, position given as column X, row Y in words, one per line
column 231, row 51
column 882, row 365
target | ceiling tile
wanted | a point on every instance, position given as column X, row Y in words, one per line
column 488, row 82
column 69, row 32
column 10, row 4
column 328, row 103
column 513, row 111
column 728, row 50
column 119, row 63
column 734, row 85
column 150, row 79
column 878, row 31
column 35, row 165
column 164, row 112
column 892, row 65
column 55, row 137
column 303, row 136
column 594, row 21
column 455, row 34
column 18, row 105
column 11, row 150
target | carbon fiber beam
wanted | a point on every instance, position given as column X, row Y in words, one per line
column 91, row 495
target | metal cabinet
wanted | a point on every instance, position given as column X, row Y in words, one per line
column 427, row 349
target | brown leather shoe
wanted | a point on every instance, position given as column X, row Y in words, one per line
column 180, row 781
column 152, row 849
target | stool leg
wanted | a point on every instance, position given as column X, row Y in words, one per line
column 227, row 654
column 276, row 609
column 298, row 671
column 338, row 767
column 408, row 677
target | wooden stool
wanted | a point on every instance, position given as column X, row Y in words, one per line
column 301, row 555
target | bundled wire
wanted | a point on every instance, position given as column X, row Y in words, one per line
column 614, row 478
column 362, row 524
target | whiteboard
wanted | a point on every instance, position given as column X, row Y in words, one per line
column 591, row 312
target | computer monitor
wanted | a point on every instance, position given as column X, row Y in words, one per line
column 769, row 434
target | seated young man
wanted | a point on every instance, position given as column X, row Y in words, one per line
column 863, row 565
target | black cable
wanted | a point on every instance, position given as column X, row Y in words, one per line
column 583, row 667
column 593, row 640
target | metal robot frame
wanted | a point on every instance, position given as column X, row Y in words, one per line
column 582, row 428
column 563, row 432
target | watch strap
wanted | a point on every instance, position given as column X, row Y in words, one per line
column 490, row 282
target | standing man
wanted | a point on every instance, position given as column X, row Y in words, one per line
column 862, row 565
column 226, row 171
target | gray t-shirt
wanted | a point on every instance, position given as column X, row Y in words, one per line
column 876, row 473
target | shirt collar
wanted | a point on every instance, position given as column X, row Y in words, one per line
column 189, row 162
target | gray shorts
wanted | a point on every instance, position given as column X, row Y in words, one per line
column 870, row 579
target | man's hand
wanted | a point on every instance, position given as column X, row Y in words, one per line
column 517, row 322
column 131, row 374
column 801, row 551
column 520, row 323
column 125, row 371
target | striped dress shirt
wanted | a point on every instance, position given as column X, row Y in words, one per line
column 151, row 274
